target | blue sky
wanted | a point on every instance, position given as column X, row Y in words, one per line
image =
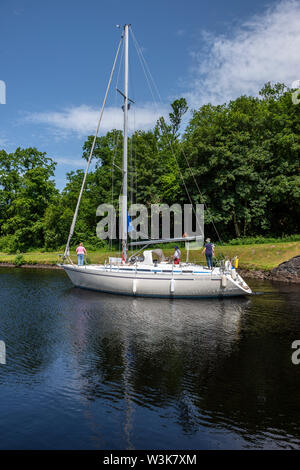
column 56, row 58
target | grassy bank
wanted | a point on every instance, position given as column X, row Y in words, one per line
column 257, row 257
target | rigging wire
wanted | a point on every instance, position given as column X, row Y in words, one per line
column 133, row 140
column 145, row 65
column 66, row 253
column 115, row 147
column 146, row 70
column 146, row 73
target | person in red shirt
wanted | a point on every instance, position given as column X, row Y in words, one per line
column 81, row 251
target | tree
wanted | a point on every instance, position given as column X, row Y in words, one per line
column 26, row 192
column 179, row 107
column 245, row 159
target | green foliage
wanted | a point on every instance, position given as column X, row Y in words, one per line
column 218, row 258
column 8, row 244
column 19, row 260
column 241, row 159
column 25, row 192
column 261, row 240
column 245, row 158
column 179, row 108
column 93, row 243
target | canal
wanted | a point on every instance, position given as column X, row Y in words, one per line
column 86, row 370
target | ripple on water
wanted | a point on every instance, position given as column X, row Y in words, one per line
column 88, row 370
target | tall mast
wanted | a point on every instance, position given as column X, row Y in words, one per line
column 67, row 249
column 125, row 145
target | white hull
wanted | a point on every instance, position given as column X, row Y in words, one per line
column 190, row 281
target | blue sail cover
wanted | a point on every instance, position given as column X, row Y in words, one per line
column 129, row 224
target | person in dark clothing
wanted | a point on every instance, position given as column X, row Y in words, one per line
column 209, row 252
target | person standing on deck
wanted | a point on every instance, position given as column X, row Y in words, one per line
column 81, row 251
column 209, row 252
column 177, row 255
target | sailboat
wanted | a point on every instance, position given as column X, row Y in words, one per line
column 142, row 275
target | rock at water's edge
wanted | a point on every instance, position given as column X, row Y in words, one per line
column 288, row 270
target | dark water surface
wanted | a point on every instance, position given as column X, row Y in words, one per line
column 86, row 370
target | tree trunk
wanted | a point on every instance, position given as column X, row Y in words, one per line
column 236, row 226
column 245, row 221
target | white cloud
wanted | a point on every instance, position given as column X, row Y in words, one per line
column 3, row 142
column 266, row 48
column 83, row 119
column 69, row 161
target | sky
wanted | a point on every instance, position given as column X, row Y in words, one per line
column 56, row 57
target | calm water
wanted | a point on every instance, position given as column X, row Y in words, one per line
column 93, row 371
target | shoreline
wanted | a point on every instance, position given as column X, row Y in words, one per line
column 268, row 276
column 247, row 273
column 27, row 265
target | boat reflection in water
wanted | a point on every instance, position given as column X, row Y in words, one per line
column 86, row 370
column 154, row 354
column 191, row 366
